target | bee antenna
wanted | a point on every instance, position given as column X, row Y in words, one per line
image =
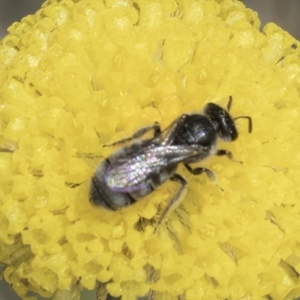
column 249, row 120
column 229, row 103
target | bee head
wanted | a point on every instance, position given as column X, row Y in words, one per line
column 222, row 121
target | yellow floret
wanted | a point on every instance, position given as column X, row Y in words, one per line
column 81, row 74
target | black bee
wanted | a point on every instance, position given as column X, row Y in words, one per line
column 134, row 171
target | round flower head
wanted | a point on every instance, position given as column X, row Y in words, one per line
column 81, row 74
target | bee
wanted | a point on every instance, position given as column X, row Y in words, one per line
column 142, row 165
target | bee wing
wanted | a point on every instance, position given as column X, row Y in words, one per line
column 130, row 173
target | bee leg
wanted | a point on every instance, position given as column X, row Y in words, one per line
column 227, row 153
column 101, row 291
column 174, row 237
column 155, row 127
column 223, row 152
column 175, row 201
column 152, row 276
column 198, row 171
column 229, row 103
column 142, row 223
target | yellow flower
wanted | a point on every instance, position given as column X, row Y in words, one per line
column 81, row 74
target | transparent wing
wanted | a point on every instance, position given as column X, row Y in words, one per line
column 130, row 173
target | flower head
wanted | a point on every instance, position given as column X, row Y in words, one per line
column 81, row 74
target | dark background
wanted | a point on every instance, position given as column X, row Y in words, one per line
column 285, row 13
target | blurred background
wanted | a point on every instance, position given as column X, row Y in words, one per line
column 285, row 13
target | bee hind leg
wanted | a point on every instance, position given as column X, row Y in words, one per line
column 102, row 293
column 152, row 276
column 175, row 201
column 155, row 127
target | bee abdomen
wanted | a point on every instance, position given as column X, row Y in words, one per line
column 102, row 195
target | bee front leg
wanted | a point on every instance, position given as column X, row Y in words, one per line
column 227, row 153
column 175, row 201
column 155, row 127
column 223, row 152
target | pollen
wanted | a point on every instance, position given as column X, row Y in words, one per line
column 81, row 74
